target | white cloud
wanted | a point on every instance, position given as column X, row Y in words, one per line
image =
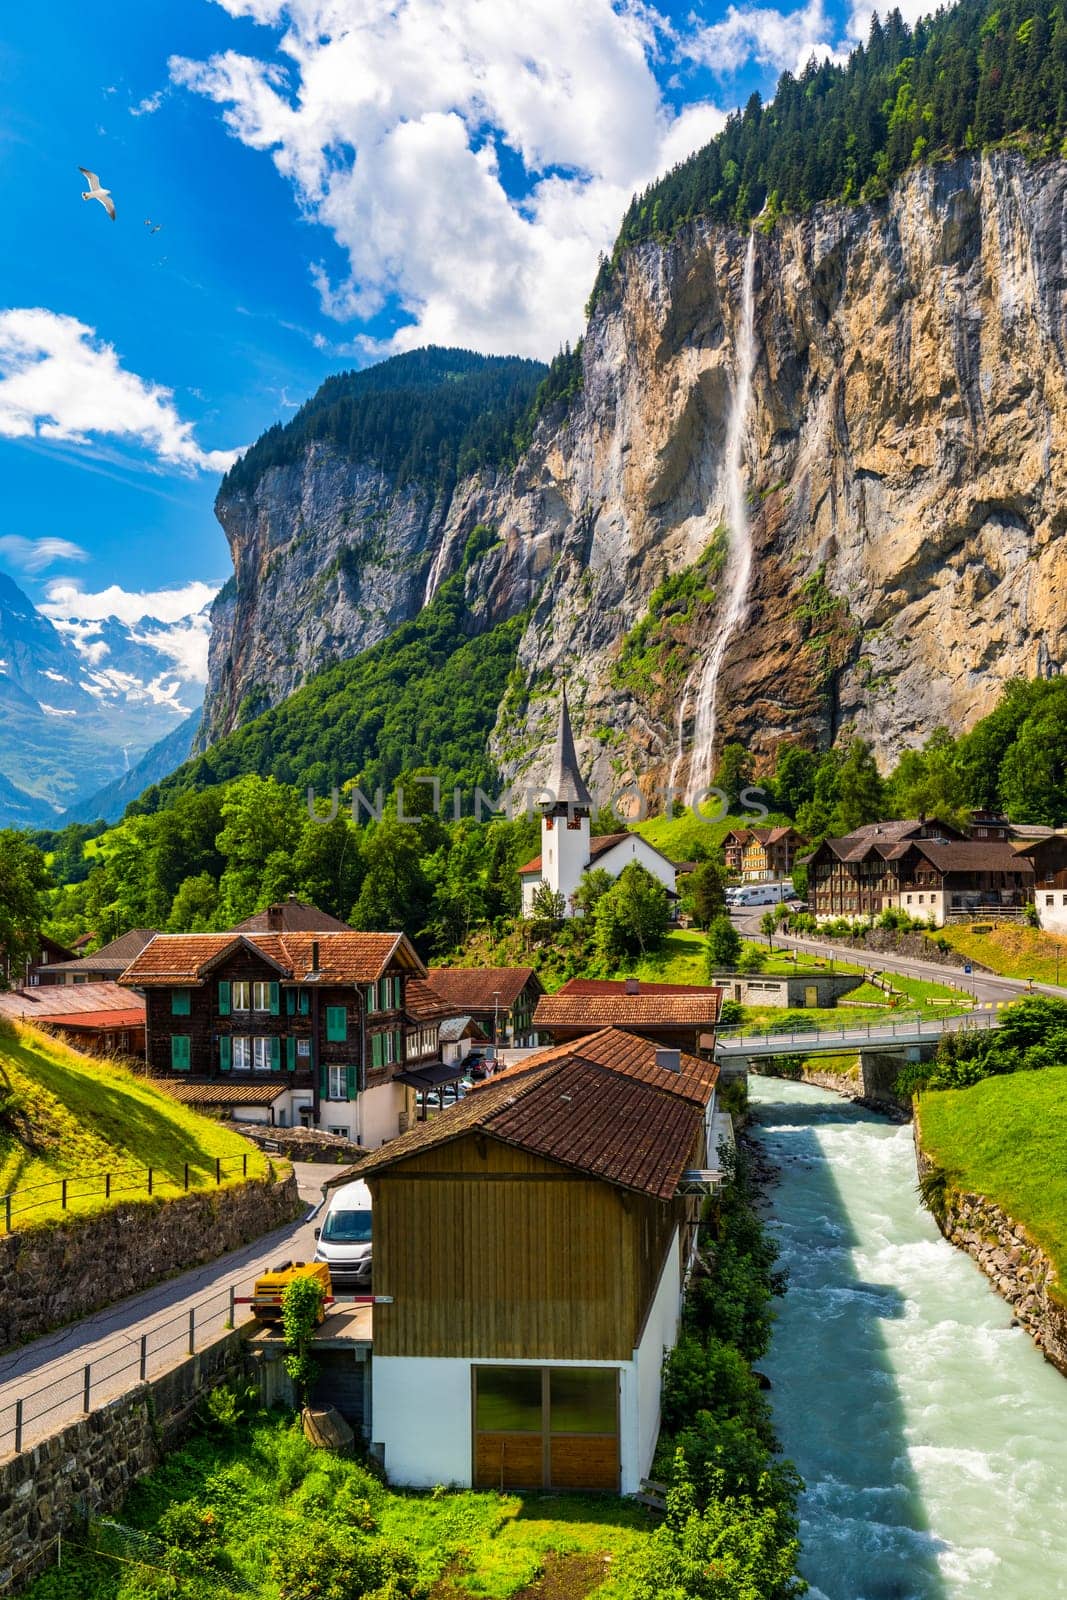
column 59, row 382
column 391, row 119
column 67, row 600
column 33, row 555
column 149, row 105
column 784, row 40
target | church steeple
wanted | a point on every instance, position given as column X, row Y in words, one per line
column 565, row 781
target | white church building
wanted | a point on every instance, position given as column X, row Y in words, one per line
column 567, row 849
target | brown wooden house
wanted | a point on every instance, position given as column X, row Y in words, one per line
column 501, row 999
column 679, row 1015
column 98, row 1018
column 1048, row 858
column 532, row 1243
column 321, row 1012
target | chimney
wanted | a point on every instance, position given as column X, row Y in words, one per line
column 669, row 1060
column 274, row 919
column 632, row 986
column 314, row 955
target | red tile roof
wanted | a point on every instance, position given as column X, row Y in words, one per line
column 472, row 989
column 699, row 1008
column 53, row 1001
column 630, row 1133
column 173, row 958
column 629, row 1055
column 598, row 844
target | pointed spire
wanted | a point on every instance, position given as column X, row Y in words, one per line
column 565, row 781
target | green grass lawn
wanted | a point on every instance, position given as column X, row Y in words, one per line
column 228, row 1504
column 686, row 837
column 72, row 1115
column 1012, row 949
column 1006, row 1138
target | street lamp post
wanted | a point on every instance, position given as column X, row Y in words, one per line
column 496, row 1020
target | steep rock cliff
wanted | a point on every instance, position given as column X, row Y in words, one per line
column 904, row 462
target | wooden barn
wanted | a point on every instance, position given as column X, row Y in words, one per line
column 532, row 1242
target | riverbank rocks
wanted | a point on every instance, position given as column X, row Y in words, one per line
column 1016, row 1266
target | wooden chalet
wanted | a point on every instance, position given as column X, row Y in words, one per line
column 99, row 1018
column 769, row 853
column 532, row 1244
column 925, row 867
column 502, row 1000
column 322, row 1013
column 105, row 965
column 679, row 1015
column 1047, row 858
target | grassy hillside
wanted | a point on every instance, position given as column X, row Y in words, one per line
column 1006, row 1138
column 64, row 1115
column 687, row 838
column 1011, row 949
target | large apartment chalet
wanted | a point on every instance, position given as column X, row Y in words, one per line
column 759, row 855
column 531, row 1244
column 310, row 1026
column 924, row 867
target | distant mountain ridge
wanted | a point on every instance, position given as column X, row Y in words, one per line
column 75, row 716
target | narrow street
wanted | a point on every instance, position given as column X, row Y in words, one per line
column 48, row 1375
column 985, row 986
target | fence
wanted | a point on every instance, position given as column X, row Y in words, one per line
column 918, row 1025
column 103, row 1186
column 59, row 1401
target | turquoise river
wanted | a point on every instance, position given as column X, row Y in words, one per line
column 931, row 1435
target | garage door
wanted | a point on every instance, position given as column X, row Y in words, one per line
column 546, row 1427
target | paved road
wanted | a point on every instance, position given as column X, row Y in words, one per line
column 49, row 1374
column 985, row 986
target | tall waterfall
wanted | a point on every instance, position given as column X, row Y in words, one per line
column 433, row 582
column 679, row 744
column 739, row 557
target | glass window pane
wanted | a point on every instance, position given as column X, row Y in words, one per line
column 583, row 1399
column 509, row 1399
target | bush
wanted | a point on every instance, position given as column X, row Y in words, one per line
column 330, row 1564
column 730, row 1013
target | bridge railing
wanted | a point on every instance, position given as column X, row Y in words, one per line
column 902, row 1026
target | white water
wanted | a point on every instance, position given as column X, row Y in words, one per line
column 931, row 1435
column 679, row 745
column 739, row 558
column 434, row 580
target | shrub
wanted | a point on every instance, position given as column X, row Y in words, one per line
column 730, row 1013
column 331, row 1564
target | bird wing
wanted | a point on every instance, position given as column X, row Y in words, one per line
column 108, row 205
column 94, row 181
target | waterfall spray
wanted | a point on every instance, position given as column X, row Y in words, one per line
column 739, row 558
column 433, row 582
column 679, row 746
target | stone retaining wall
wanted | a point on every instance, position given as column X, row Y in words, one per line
column 55, row 1274
column 299, row 1144
column 90, row 1466
column 1017, row 1268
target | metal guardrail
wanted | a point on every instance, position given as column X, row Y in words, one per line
column 104, row 1185
column 116, row 1372
column 900, row 1027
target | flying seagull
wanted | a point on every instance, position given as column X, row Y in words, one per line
column 94, row 192
column 153, row 227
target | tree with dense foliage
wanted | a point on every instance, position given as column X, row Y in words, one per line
column 633, row 915
column 734, row 773
column 978, row 73
column 592, row 887
column 707, row 890
column 794, row 778
column 23, row 880
column 724, row 946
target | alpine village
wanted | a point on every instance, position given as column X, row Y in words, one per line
column 552, row 1083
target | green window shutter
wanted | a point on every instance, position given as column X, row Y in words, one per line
column 290, row 1054
column 179, row 1052
column 290, row 1002
column 398, row 992
column 379, row 1053
column 350, row 1082
column 275, row 1000
column 179, row 1002
column 398, row 1049
column 336, row 1024
column 276, row 1053
column 324, row 1083
column 225, row 1053
column 224, row 999
column 372, row 997
column 305, row 1002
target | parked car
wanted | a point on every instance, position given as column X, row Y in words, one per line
column 344, row 1239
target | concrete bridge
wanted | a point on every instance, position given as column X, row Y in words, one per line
column 882, row 1047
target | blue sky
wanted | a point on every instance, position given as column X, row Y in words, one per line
column 333, row 180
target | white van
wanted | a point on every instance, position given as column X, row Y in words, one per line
column 344, row 1240
column 763, row 894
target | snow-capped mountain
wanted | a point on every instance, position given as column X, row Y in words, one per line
column 82, row 700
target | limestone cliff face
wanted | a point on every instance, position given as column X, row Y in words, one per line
column 905, row 461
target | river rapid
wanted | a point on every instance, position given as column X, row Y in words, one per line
column 931, row 1435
